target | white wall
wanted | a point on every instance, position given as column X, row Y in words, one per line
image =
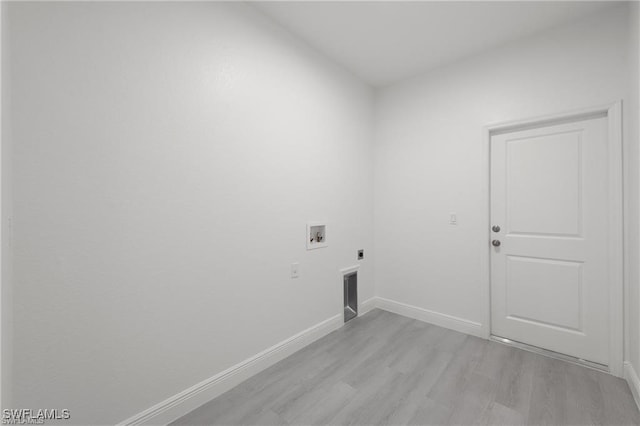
column 428, row 153
column 6, row 306
column 632, row 118
column 166, row 159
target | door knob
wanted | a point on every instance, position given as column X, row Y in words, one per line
column 495, row 243
column 495, row 228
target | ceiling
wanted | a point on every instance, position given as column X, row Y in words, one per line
column 385, row 41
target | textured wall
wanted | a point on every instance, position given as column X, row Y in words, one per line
column 429, row 144
column 167, row 158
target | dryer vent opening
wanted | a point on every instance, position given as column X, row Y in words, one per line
column 350, row 296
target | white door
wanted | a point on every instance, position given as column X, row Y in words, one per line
column 549, row 275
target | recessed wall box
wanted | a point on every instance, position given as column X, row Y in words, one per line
column 350, row 295
column 316, row 235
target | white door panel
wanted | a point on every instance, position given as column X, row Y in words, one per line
column 543, row 188
column 531, row 281
column 549, row 276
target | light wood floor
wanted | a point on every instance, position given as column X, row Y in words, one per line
column 383, row 368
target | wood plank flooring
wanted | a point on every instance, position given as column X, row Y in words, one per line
column 385, row 369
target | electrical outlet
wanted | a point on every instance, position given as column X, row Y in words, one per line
column 453, row 219
column 295, row 270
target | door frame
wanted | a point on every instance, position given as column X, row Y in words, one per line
column 613, row 112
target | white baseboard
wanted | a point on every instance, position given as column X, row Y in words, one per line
column 368, row 305
column 182, row 403
column 432, row 317
column 631, row 377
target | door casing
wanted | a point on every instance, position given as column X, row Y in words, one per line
column 613, row 113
